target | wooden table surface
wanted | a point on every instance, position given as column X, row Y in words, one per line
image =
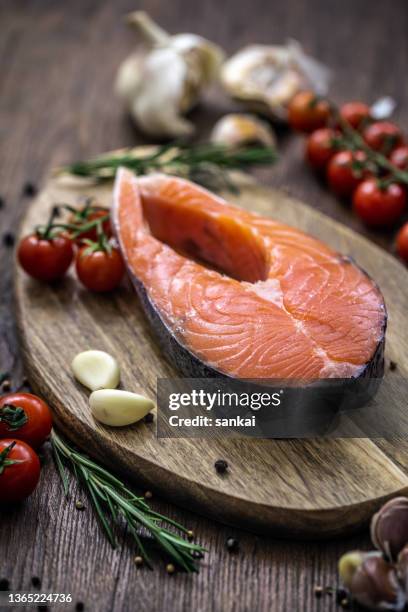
column 57, row 64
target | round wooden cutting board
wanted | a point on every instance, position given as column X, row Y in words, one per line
column 295, row 488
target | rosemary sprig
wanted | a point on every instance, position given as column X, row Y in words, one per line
column 112, row 500
column 207, row 164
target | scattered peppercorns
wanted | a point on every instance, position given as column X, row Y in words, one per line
column 29, row 189
column 36, row 582
column 138, row 561
column 148, row 495
column 8, row 239
column 79, row 505
column 170, row 568
column 221, row 466
column 232, row 545
column 4, row 584
column 393, row 366
column 149, row 418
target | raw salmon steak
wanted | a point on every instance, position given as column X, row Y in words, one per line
column 231, row 292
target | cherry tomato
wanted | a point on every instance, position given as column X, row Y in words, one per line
column 99, row 270
column 307, row 112
column 355, row 113
column 25, row 417
column 343, row 173
column 319, row 147
column 383, row 136
column 92, row 215
column 19, row 470
column 402, row 242
column 399, row 157
column 379, row 206
column 45, row 259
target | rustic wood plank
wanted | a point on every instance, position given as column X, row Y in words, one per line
column 57, row 61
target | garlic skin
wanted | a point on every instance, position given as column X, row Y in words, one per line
column 118, row 408
column 265, row 78
column 166, row 77
column 371, row 580
column 96, row 370
column 238, row 129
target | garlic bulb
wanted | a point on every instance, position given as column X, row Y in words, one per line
column 265, row 78
column 165, row 77
column 238, row 129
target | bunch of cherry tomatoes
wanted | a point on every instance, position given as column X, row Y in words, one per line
column 362, row 159
column 86, row 238
column 25, row 424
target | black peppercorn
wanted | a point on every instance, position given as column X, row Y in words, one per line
column 6, row 386
column 79, row 505
column 221, row 466
column 8, row 239
column 36, row 582
column 148, row 495
column 42, row 608
column 232, row 545
column 4, row 584
column 80, row 606
column 29, row 189
column 170, row 568
column 197, row 554
column 149, row 418
column 1, row 202
column 341, row 595
column 138, row 561
column 393, row 366
column 318, row 590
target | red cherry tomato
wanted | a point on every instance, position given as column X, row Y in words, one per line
column 355, row 113
column 379, row 206
column 45, row 259
column 402, row 242
column 19, row 470
column 307, row 112
column 383, row 136
column 99, row 270
column 25, row 417
column 92, row 215
column 344, row 173
column 319, row 147
column 399, row 157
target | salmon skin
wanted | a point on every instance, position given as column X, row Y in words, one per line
column 231, row 293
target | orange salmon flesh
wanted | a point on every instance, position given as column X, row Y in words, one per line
column 248, row 296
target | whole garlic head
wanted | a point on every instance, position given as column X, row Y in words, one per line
column 237, row 129
column 265, row 78
column 165, row 78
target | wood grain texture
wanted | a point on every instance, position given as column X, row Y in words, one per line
column 310, row 488
column 57, row 62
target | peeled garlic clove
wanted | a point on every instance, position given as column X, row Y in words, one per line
column 96, row 370
column 265, row 78
column 237, row 129
column 119, row 408
column 165, row 78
